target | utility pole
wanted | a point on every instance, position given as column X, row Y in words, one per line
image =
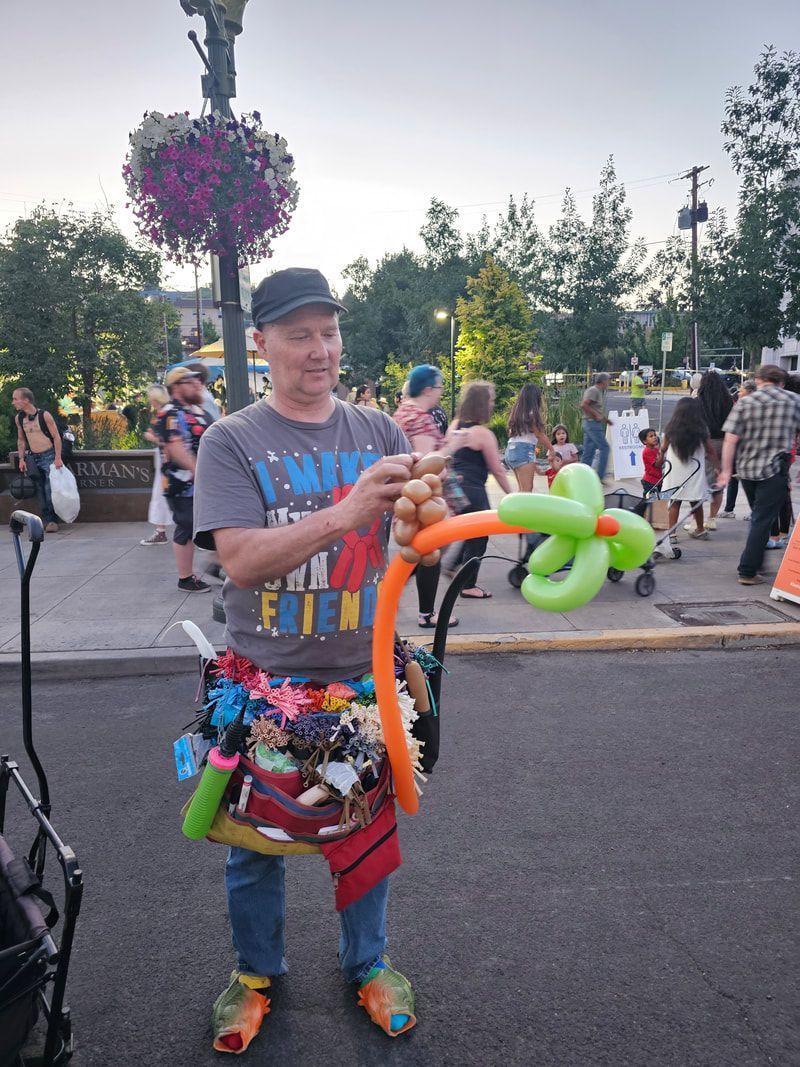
column 693, row 174
column 219, row 85
column 197, row 310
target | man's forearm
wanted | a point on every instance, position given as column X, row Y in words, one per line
column 252, row 557
column 728, row 452
column 179, row 454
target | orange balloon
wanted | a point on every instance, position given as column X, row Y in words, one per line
column 459, row 528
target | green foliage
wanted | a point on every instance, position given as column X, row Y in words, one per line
column 562, row 404
column 391, row 311
column 71, row 313
column 210, row 332
column 394, row 376
column 754, row 267
column 495, row 332
column 440, row 235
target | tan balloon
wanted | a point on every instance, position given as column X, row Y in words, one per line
column 431, row 511
column 417, row 490
column 409, row 554
column 405, row 532
column 433, row 463
column 405, row 509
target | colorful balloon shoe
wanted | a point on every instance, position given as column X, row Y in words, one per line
column 388, row 999
column 238, row 1013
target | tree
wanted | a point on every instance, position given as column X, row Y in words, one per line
column 495, row 332
column 210, row 332
column 71, row 313
column 588, row 270
column 755, row 275
column 440, row 234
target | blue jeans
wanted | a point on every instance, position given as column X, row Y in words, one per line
column 38, row 466
column 594, row 440
column 256, row 906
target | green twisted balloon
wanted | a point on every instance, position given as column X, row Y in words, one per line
column 582, row 530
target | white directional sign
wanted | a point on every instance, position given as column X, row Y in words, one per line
column 666, row 342
column 626, row 448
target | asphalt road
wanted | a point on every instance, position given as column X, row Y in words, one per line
column 622, row 401
column 603, row 872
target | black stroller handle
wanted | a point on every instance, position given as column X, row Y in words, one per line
column 21, row 520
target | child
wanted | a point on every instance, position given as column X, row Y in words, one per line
column 564, row 452
column 652, row 459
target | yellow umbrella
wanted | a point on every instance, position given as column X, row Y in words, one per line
column 216, row 348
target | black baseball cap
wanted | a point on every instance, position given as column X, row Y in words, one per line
column 287, row 290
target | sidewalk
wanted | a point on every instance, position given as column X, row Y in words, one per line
column 101, row 601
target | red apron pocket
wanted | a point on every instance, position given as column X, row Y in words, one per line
column 365, row 857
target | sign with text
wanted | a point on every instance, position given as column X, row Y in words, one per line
column 626, row 448
column 666, row 342
column 787, row 581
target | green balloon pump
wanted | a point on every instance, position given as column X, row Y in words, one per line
column 222, row 762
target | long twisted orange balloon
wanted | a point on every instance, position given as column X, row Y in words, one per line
column 460, row 528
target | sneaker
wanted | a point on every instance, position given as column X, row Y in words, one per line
column 699, row 535
column 776, row 542
column 157, row 538
column 689, row 526
column 192, row 584
column 752, row 579
column 710, row 524
column 726, row 515
column 52, row 527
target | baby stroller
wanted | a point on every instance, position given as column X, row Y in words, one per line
column 31, row 957
column 664, row 549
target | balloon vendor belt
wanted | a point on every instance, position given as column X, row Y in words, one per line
column 305, row 769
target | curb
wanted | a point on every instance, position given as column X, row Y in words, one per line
column 136, row 662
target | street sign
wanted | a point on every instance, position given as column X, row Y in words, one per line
column 666, row 342
column 634, row 361
column 626, row 448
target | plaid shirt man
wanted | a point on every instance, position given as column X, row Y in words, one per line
column 765, row 423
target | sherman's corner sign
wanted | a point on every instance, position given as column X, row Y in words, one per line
column 115, row 473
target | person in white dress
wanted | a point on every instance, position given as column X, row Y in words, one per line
column 158, row 514
column 686, row 444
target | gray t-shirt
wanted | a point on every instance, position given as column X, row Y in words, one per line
column 256, row 468
column 596, row 398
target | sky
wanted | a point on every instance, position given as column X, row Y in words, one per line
column 387, row 105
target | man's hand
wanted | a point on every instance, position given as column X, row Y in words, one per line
column 22, row 466
column 722, row 479
column 58, row 463
column 376, row 490
column 607, row 422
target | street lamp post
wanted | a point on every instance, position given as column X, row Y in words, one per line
column 223, row 23
column 442, row 315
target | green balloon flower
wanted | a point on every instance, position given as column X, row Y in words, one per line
column 582, row 530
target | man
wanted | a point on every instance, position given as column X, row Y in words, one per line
column 39, row 447
column 637, row 392
column 595, row 420
column 759, row 432
column 294, row 492
column 179, row 426
column 207, row 401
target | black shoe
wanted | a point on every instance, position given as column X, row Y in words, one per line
column 192, row 584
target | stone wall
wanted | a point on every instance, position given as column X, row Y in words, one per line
column 114, row 486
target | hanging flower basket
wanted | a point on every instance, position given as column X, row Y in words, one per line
column 209, row 185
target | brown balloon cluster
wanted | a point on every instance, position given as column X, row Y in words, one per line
column 422, row 504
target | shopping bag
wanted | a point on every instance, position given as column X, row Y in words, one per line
column 658, row 514
column 64, row 491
